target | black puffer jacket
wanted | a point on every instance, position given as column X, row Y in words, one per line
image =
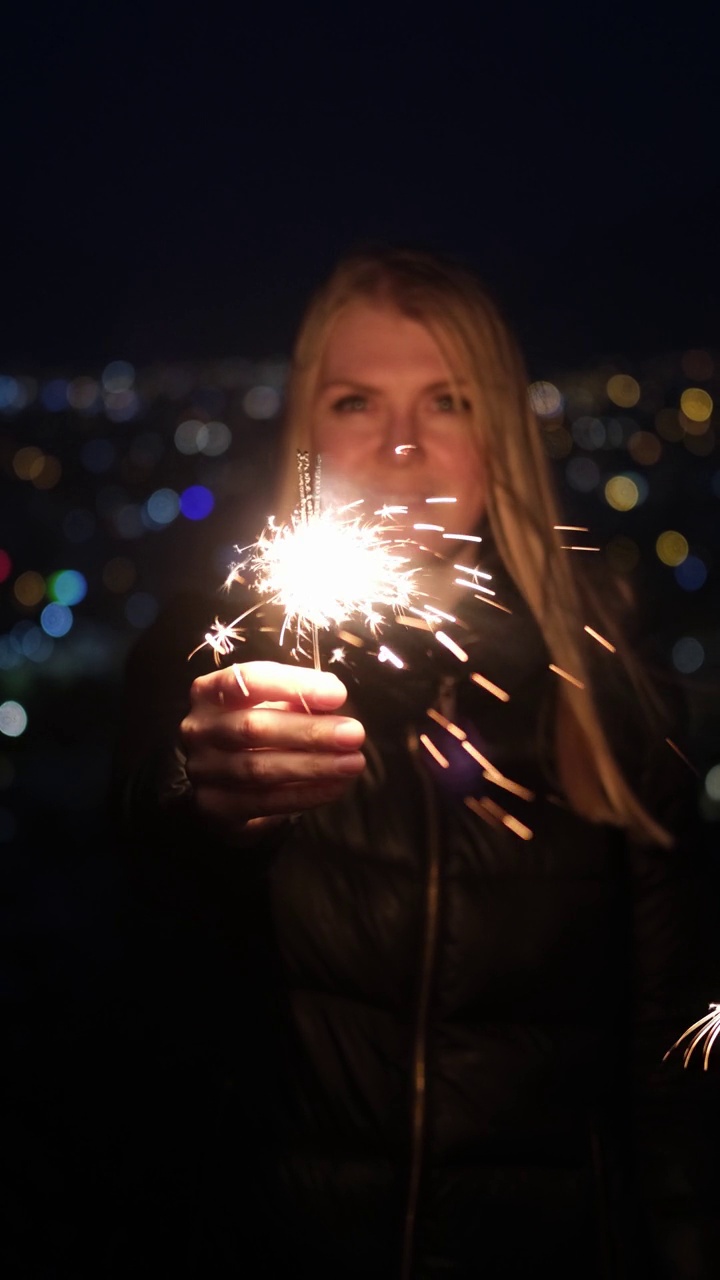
column 438, row 1031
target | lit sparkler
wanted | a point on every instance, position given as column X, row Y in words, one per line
column 326, row 567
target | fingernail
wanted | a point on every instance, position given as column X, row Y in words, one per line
column 349, row 733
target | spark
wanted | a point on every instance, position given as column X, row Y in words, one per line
column 433, row 751
column 683, row 757
column 451, row 645
column 440, row 719
column 486, row 808
column 222, row 638
column 387, row 655
column 494, row 689
column 566, row 676
column 324, row 568
column 708, row 1026
column 600, row 639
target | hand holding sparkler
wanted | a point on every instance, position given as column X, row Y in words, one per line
column 262, row 743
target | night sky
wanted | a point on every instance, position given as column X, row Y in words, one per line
column 175, row 180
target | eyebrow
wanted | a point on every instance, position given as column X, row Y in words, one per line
column 364, row 386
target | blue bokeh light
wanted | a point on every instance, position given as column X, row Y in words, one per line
column 196, row 502
column 691, row 574
column 56, row 620
column 68, row 586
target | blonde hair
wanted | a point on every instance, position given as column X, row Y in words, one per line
column 521, row 506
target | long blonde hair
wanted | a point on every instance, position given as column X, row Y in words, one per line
column 522, row 509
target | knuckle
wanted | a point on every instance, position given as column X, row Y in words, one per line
column 252, row 728
column 255, row 766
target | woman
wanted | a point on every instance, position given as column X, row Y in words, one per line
column 455, row 901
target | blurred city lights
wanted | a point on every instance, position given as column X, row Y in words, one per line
column 696, row 404
column 623, row 390
column 688, row 655
column 54, row 395
column 56, row 619
column 588, row 433
column 623, row 492
column 28, row 462
column 644, row 448
column 196, row 502
column 672, row 547
column 546, row 400
column 13, row 719
column 5, row 565
column 691, row 574
column 162, row 507
column 712, row 782
column 582, row 474
column 118, row 375
column 190, row 436
column 217, row 440
column 29, row 588
column 261, row 403
column 67, row 586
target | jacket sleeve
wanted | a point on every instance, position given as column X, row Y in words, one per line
column 676, row 1114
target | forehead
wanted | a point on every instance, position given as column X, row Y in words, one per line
column 367, row 336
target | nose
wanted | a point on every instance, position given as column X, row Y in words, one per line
column 402, row 441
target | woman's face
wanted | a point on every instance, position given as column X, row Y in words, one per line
column 389, row 428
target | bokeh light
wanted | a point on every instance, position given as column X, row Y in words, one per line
column 588, row 432
column 712, row 782
column 261, row 403
column 5, row 565
column 623, row 390
column 118, row 375
column 582, row 474
column 688, row 655
column 29, row 588
column 644, row 448
column 696, row 404
column 13, row 719
column 56, row 619
column 546, row 400
column 623, row 492
column 672, row 547
column 196, row 502
column 28, row 462
column 67, row 586
column 691, row 574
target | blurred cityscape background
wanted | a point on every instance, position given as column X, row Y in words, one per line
column 123, row 485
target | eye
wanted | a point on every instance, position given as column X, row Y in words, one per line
column 448, row 403
column 350, row 404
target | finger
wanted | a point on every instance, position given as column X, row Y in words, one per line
column 233, row 807
column 263, row 770
column 252, row 682
column 269, row 728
